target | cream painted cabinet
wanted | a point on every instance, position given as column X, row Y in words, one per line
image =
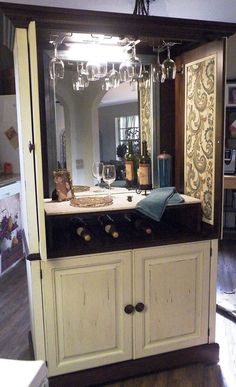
column 173, row 284
column 84, row 300
column 85, row 297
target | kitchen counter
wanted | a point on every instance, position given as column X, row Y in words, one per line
column 8, row 179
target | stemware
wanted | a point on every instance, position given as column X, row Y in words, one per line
column 96, row 68
column 159, row 74
column 135, row 68
column 97, row 170
column 109, row 175
column 80, row 80
column 169, row 66
column 131, row 68
column 56, row 65
column 112, row 79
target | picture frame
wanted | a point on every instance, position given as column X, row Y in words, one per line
column 230, row 124
column 63, row 185
column 230, row 97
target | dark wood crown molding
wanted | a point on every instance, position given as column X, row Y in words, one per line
column 116, row 23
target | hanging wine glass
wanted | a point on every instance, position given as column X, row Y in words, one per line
column 56, row 65
column 114, row 77
column 79, row 80
column 96, row 67
column 159, row 74
column 106, row 85
column 92, row 70
column 135, row 67
column 144, row 80
column 169, row 66
column 123, row 70
column 130, row 68
column 102, row 68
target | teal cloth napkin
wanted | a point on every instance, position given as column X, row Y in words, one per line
column 155, row 203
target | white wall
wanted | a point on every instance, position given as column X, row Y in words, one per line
column 217, row 10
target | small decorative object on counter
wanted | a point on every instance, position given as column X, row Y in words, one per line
column 144, row 170
column 164, row 170
column 63, row 185
column 92, row 201
column 131, row 167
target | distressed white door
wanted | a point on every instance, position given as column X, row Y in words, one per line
column 86, row 325
column 173, row 283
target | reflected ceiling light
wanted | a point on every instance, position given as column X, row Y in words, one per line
column 85, row 52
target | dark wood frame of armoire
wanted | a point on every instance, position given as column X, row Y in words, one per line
column 193, row 33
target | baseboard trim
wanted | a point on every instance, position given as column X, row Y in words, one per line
column 207, row 353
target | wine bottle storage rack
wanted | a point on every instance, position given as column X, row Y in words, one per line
column 175, row 226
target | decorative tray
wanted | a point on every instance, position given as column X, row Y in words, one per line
column 81, row 188
column 100, row 201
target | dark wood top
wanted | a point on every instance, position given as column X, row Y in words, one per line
column 145, row 27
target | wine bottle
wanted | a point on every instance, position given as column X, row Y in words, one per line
column 144, row 171
column 138, row 223
column 108, row 225
column 81, row 229
column 131, row 167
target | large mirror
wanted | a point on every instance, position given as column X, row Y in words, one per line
column 95, row 123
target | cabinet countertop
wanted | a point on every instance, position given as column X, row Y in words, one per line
column 120, row 202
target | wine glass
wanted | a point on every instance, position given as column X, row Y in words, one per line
column 79, row 80
column 169, row 66
column 97, row 169
column 159, row 73
column 56, row 65
column 109, row 175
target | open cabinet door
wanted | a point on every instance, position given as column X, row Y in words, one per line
column 29, row 133
column 200, row 129
column 24, row 123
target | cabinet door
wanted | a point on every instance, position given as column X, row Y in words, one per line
column 86, row 325
column 199, row 123
column 173, row 284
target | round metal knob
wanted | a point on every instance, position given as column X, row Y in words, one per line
column 129, row 309
column 139, row 307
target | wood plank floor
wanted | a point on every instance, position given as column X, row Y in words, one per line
column 14, row 328
column 226, row 284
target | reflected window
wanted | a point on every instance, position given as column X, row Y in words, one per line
column 127, row 128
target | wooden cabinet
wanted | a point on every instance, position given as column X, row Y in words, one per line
column 173, row 283
column 85, row 298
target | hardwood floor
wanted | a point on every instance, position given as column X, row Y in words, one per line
column 14, row 328
column 226, row 286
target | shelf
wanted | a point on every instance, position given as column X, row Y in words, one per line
column 229, row 181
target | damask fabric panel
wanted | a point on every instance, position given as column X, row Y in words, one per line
column 145, row 112
column 200, row 111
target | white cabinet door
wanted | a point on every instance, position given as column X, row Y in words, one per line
column 173, row 283
column 84, row 299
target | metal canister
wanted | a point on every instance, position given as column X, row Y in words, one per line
column 164, row 170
